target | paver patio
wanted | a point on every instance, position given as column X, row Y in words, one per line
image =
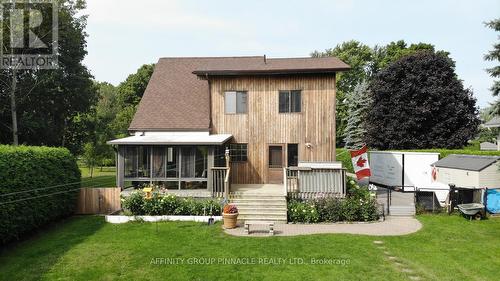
column 392, row 226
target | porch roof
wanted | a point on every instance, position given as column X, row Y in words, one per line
column 173, row 138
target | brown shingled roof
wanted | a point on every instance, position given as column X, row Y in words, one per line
column 260, row 65
column 176, row 99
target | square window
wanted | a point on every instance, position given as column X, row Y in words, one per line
column 238, row 152
column 235, row 102
column 289, row 101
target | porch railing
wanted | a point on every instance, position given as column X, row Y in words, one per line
column 220, row 181
column 305, row 182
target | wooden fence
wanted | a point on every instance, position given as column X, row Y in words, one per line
column 98, row 200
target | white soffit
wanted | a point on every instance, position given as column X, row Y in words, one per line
column 173, row 138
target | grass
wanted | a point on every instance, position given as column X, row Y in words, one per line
column 104, row 178
column 87, row 248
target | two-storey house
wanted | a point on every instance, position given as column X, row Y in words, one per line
column 268, row 113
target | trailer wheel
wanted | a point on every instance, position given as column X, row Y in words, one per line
column 478, row 216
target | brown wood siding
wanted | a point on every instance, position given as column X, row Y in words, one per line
column 263, row 124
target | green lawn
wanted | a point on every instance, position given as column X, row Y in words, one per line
column 87, row 248
column 104, row 178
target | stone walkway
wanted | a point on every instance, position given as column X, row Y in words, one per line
column 392, row 226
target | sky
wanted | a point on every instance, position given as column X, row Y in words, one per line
column 125, row 34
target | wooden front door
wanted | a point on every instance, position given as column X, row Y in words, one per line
column 275, row 162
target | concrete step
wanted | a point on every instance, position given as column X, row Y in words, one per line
column 262, row 213
column 260, row 208
column 406, row 210
column 260, row 204
column 257, row 198
column 263, row 207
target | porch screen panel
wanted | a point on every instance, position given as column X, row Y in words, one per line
column 130, row 161
column 159, row 161
column 201, row 162
column 187, row 162
column 143, row 162
column 171, row 162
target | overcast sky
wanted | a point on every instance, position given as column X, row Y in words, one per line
column 124, row 34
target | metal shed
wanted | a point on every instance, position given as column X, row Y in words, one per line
column 473, row 171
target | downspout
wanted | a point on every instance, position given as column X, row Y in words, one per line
column 209, row 104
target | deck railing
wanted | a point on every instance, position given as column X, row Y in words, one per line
column 305, row 182
column 220, row 181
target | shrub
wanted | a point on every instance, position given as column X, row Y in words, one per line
column 47, row 177
column 302, row 211
column 136, row 204
column 152, row 206
column 169, row 203
column 329, row 209
column 357, row 206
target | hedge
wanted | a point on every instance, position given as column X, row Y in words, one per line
column 344, row 156
column 37, row 186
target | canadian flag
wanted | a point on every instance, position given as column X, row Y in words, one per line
column 434, row 173
column 360, row 163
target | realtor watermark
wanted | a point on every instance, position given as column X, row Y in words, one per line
column 28, row 34
column 172, row 261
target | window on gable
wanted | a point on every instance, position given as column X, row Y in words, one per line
column 238, row 152
column 289, row 101
column 235, row 102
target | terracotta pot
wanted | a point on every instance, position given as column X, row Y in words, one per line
column 230, row 220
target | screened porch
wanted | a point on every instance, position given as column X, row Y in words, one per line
column 173, row 161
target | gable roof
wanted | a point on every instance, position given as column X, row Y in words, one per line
column 466, row 162
column 177, row 99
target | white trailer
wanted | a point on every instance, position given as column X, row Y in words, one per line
column 406, row 171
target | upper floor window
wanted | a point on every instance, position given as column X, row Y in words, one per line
column 289, row 101
column 235, row 102
column 238, row 152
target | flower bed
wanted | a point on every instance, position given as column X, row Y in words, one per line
column 124, row 219
column 167, row 205
column 358, row 205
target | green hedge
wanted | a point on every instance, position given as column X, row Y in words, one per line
column 344, row 156
column 162, row 205
column 30, row 168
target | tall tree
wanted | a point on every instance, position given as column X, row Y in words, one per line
column 358, row 103
column 129, row 94
column 418, row 102
column 494, row 55
column 48, row 103
column 359, row 57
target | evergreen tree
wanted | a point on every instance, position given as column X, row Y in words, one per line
column 494, row 55
column 358, row 103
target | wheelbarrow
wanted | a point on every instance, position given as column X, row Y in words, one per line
column 472, row 210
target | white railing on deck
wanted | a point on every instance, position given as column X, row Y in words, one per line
column 305, row 182
column 220, row 181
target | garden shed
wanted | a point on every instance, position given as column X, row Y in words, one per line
column 472, row 171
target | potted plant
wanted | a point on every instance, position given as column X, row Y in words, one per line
column 230, row 215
